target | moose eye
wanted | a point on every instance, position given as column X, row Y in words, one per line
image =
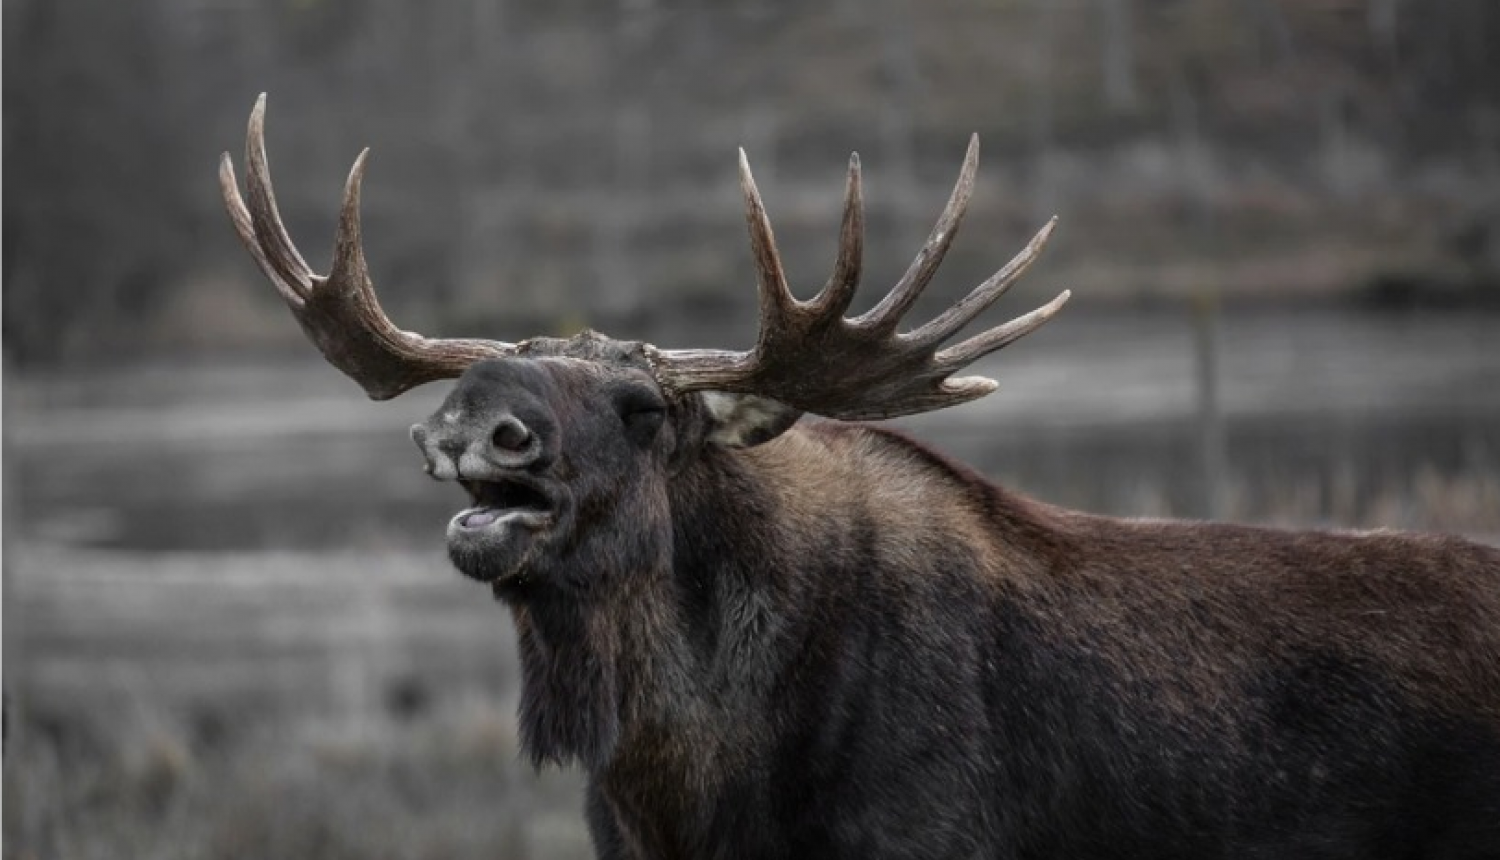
column 642, row 412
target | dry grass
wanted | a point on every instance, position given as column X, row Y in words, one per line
column 445, row 786
column 327, row 705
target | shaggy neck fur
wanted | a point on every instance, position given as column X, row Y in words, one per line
column 658, row 651
column 633, row 658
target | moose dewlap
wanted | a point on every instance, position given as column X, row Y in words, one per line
column 770, row 638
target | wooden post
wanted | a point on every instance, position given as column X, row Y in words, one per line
column 1212, row 454
column 14, row 668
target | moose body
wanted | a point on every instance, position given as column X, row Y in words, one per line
column 769, row 638
column 842, row 644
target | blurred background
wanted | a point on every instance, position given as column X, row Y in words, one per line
column 230, row 630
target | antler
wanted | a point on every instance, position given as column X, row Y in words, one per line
column 809, row 356
column 339, row 312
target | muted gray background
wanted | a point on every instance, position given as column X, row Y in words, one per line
column 229, row 627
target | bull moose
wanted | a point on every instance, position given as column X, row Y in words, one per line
column 763, row 637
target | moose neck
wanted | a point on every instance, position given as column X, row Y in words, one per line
column 632, row 663
column 638, row 658
column 593, row 663
column 759, row 539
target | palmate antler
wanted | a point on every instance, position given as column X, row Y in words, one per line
column 808, row 355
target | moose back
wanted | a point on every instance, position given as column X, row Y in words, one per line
column 765, row 637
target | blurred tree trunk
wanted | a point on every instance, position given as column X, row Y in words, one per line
column 1271, row 30
column 1116, row 24
column 1381, row 17
column 616, row 287
column 1041, row 114
column 898, row 61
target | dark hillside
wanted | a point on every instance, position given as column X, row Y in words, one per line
column 578, row 158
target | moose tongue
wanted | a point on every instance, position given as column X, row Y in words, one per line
column 481, row 517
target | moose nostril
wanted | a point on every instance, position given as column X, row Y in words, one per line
column 510, row 434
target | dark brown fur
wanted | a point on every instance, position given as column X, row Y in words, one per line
column 840, row 643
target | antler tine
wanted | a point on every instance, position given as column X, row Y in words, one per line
column 265, row 215
column 776, row 300
column 887, row 315
column 339, row 313
column 984, row 295
column 348, row 246
column 842, row 284
column 239, row 216
column 963, row 354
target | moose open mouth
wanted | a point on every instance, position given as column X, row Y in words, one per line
column 504, row 500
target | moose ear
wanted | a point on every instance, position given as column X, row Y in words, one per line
column 746, row 420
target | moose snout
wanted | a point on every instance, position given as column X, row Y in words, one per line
column 473, row 447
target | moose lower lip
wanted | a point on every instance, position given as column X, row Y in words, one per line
column 477, row 518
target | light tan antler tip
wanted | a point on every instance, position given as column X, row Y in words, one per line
column 1036, row 318
column 1039, row 241
column 969, row 387
column 258, row 113
column 349, row 213
column 357, row 170
column 747, row 179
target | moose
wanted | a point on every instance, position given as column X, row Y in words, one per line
column 767, row 637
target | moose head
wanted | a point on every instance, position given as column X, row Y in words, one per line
column 567, row 446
